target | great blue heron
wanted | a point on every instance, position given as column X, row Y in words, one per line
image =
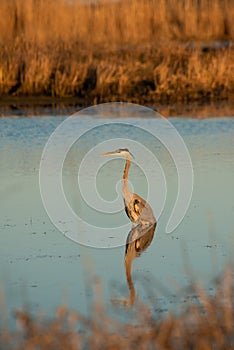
column 137, row 209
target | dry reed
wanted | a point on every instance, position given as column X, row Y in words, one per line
column 107, row 51
column 207, row 323
column 111, row 23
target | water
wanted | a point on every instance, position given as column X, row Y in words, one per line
column 41, row 269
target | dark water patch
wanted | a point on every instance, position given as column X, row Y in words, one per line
column 31, row 107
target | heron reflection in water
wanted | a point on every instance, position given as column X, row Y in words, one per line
column 139, row 238
column 143, row 225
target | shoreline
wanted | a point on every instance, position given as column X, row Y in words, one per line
column 27, row 106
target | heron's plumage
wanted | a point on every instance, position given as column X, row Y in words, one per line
column 137, row 209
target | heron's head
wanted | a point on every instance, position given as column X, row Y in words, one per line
column 121, row 152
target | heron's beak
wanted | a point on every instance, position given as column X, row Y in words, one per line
column 108, row 154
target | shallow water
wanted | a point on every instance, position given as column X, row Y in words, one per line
column 40, row 268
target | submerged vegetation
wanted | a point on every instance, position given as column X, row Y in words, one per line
column 207, row 323
column 143, row 51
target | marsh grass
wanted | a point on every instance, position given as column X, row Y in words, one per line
column 132, row 50
column 206, row 323
column 111, row 23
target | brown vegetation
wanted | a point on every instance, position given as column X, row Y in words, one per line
column 131, row 50
column 207, row 323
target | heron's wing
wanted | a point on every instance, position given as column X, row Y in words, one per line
column 142, row 209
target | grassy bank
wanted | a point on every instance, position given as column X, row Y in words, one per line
column 207, row 323
column 136, row 51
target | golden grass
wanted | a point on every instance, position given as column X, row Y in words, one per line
column 109, row 23
column 207, row 323
column 165, row 75
column 132, row 50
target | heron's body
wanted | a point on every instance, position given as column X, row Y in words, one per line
column 137, row 209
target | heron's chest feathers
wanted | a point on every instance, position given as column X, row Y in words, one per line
column 133, row 207
column 130, row 211
column 138, row 210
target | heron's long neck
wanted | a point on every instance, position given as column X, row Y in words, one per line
column 128, row 271
column 125, row 188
